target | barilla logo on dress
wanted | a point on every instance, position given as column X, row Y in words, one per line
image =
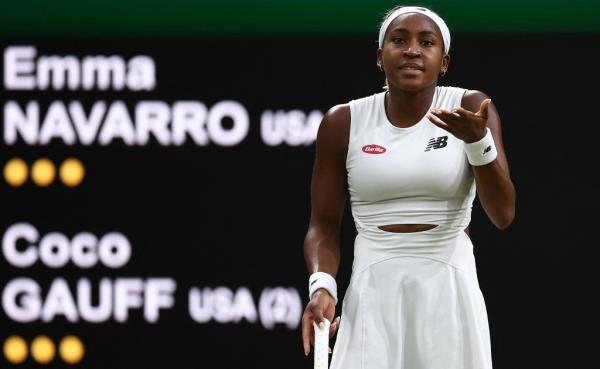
column 374, row 149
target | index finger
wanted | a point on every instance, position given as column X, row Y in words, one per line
column 438, row 122
column 449, row 117
column 306, row 334
column 462, row 111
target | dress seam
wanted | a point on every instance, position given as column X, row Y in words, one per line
column 460, row 361
column 410, row 256
column 364, row 327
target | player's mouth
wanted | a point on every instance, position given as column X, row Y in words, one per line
column 411, row 66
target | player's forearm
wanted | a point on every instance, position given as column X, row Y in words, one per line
column 322, row 250
column 496, row 193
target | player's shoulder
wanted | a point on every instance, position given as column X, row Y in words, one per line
column 337, row 114
column 472, row 99
column 334, row 130
column 337, row 119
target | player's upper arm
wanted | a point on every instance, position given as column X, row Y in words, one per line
column 328, row 188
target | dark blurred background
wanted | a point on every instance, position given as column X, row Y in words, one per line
column 156, row 167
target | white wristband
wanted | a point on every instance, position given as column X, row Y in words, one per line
column 322, row 280
column 483, row 151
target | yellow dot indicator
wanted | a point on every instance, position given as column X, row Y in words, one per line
column 15, row 172
column 42, row 349
column 72, row 172
column 71, row 349
column 15, row 349
column 43, row 172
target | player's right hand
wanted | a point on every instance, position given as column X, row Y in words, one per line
column 320, row 307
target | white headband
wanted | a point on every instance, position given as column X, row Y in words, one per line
column 416, row 9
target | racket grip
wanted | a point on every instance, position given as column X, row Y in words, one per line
column 322, row 345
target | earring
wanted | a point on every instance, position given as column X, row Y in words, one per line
column 443, row 72
column 380, row 66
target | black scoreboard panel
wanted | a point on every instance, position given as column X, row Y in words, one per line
column 156, row 194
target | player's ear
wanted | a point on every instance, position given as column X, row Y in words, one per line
column 446, row 61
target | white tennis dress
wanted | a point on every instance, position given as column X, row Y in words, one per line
column 413, row 301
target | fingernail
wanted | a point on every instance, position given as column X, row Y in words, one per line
column 321, row 325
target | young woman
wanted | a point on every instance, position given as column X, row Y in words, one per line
column 412, row 159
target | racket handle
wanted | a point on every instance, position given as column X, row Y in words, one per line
column 322, row 345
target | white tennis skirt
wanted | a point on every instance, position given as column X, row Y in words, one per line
column 413, row 303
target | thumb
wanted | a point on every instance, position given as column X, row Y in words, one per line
column 334, row 326
column 483, row 108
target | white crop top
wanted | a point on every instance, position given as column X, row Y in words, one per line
column 414, row 175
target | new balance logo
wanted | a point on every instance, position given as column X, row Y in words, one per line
column 437, row 143
column 315, row 281
column 487, row 149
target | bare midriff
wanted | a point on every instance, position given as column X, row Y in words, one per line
column 406, row 228
column 410, row 228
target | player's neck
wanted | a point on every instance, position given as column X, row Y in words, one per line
column 405, row 108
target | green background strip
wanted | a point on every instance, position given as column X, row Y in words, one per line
column 262, row 18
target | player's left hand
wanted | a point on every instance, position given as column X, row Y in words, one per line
column 462, row 123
